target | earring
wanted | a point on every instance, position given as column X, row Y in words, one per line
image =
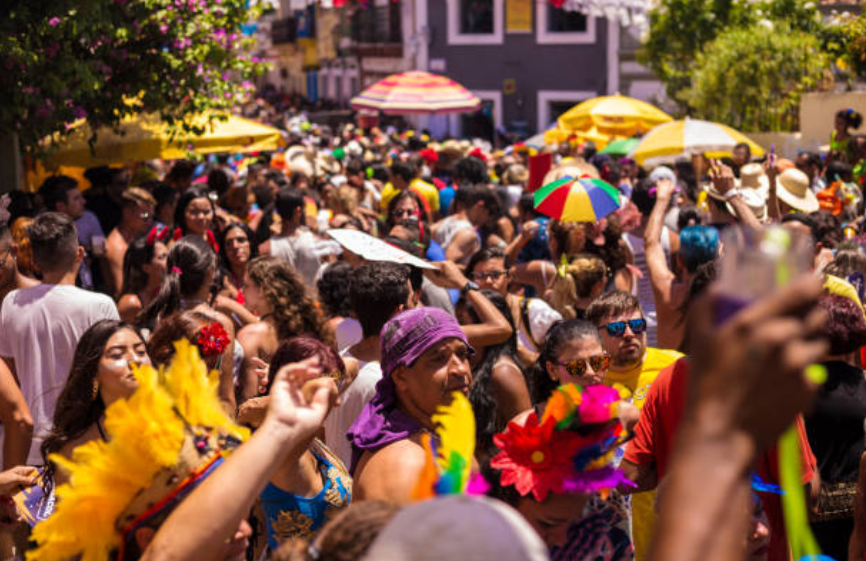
column 95, row 390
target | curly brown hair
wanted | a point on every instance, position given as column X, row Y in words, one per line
column 295, row 313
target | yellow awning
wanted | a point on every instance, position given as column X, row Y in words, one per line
column 146, row 137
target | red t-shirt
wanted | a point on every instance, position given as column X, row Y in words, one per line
column 655, row 435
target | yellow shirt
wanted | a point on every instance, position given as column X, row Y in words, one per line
column 638, row 381
column 426, row 190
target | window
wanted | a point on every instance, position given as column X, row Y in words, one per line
column 565, row 21
column 557, row 108
column 484, row 122
column 475, row 22
column 557, row 26
column 553, row 103
column 476, row 17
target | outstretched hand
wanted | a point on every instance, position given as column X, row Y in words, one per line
column 749, row 374
column 300, row 397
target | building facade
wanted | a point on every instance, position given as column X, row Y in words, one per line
column 527, row 60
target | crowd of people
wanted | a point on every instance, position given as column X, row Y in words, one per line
column 193, row 368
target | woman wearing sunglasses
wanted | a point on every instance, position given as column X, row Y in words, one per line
column 572, row 353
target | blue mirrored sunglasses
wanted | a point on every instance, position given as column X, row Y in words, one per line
column 617, row 328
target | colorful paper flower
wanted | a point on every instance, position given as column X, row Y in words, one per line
column 213, row 339
column 536, row 458
column 570, row 451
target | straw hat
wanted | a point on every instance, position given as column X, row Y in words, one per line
column 299, row 161
column 327, row 164
column 752, row 176
column 755, row 200
column 793, row 190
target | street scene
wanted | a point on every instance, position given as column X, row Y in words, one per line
column 407, row 280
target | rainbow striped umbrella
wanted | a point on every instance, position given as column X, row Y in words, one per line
column 577, row 199
column 416, row 92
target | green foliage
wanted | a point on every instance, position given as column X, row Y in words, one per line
column 681, row 29
column 105, row 59
column 752, row 77
column 852, row 43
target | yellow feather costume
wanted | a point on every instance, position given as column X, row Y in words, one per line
column 172, row 426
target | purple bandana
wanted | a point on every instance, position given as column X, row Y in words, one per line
column 404, row 338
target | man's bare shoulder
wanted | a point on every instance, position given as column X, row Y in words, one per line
column 391, row 472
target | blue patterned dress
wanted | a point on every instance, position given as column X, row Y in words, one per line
column 290, row 516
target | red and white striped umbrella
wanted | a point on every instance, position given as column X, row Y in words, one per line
column 416, row 92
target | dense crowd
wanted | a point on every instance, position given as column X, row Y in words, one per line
column 196, row 364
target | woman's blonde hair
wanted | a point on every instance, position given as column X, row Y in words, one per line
column 348, row 199
column 582, row 274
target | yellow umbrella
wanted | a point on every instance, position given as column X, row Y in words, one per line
column 558, row 135
column 146, row 137
column 670, row 141
column 613, row 115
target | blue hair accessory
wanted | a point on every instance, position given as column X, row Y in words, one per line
column 760, row 486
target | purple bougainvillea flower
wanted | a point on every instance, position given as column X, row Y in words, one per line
column 54, row 22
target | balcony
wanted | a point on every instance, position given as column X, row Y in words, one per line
column 283, row 31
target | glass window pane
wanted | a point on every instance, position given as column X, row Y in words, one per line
column 562, row 21
column 557, row 108
column 476, row 17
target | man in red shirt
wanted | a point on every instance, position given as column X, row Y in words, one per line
column 647, row 455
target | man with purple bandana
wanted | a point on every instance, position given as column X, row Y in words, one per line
column 425, row 357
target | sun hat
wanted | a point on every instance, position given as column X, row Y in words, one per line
column 662, row 172
column 752, row 176
column 792, row 188
column 458, row 527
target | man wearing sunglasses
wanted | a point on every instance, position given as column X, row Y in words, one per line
column 622, row 326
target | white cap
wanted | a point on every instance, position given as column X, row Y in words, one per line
column 469, row 528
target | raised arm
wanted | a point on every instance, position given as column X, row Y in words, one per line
column 773, row 208
column 661, row 277
column 492, row 328
column 528, row 231
column 723, row 180
column 15, row 416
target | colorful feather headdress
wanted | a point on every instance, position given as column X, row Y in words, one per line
column 570, row 451
column 448, row 467
column 163, row 441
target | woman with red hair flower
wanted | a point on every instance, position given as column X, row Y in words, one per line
column 552, row 464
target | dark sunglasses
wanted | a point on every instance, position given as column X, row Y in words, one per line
column 617, row 328
column 492, row 275
column 577, row 368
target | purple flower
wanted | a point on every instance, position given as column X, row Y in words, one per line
column 163, row 29
column 54, row 22
column 79, row 113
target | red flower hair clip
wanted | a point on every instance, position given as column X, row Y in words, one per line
column 212, row 339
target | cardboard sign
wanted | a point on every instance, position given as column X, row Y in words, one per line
column 374, row 249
